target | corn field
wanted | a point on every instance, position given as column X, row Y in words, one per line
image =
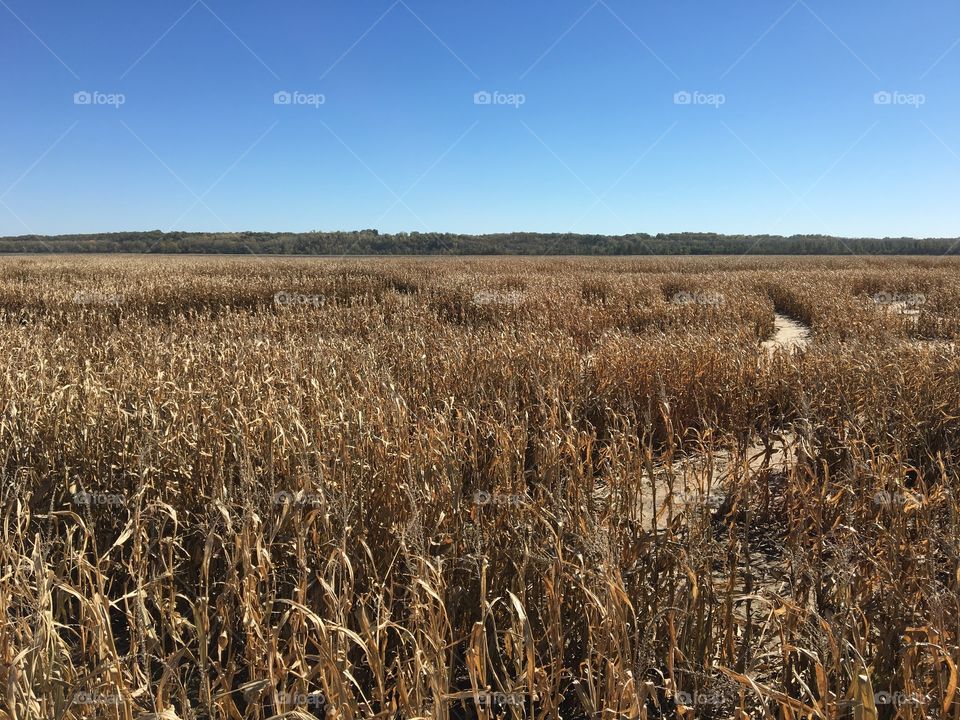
column 251, row 488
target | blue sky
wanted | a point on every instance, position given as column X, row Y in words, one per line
column 612, row 116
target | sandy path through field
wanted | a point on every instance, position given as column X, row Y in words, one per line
column 912, row 314
column 694, row 481
column 788, row 334
column 691, row 475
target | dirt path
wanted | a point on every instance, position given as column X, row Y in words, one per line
column 697, row 481
column 788, row 334
column 911, row 313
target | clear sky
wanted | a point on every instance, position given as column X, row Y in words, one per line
column 606, row 116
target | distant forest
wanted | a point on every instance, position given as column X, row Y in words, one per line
column 371, row 242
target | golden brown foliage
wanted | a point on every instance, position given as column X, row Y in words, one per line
column 238, row 488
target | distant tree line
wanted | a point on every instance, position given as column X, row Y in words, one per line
column 371, row 242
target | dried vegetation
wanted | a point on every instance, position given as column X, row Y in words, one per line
column 249, row 488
